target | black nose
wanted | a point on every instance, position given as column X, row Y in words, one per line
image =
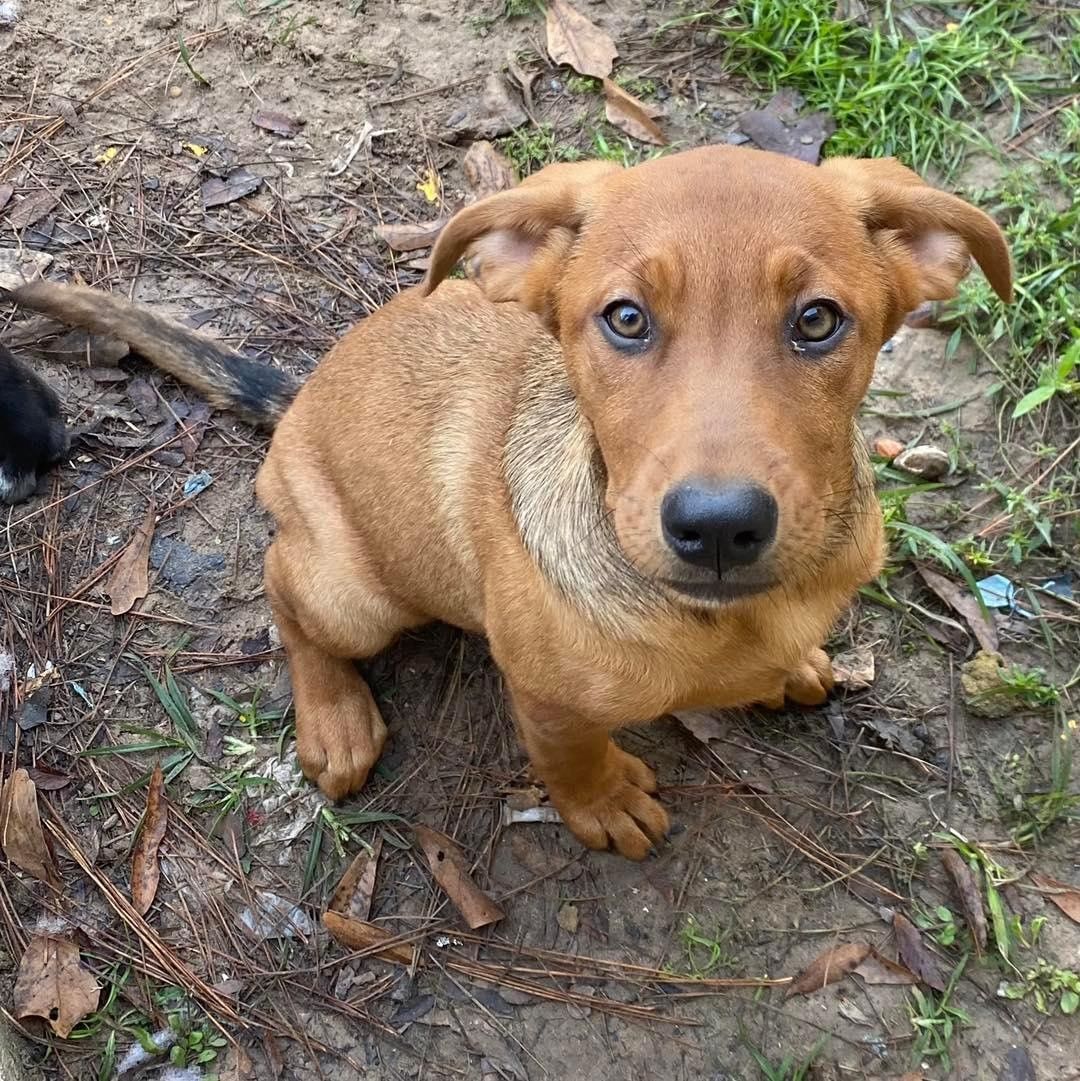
column 718, row 526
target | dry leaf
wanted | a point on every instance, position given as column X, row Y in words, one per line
column 48, row 780
column 218, row 192
column 960, row 600
column 53, row 985
column 878, row 970
column 129, row 580
column 631, row 116
column 702, row 726
column 854, row 669
column 361, row 935
column 452, row 874
column 32, row 209
column 429, row 185
column 404, row 236
column 21, row 835
column 495, row 112
column 967, row 890
column 353, row 895
column 523, row 78
column 572, row 39
column 1066, row 897
column 568, row 919
column 145, row 871
column 914, row 953
column 487, row 171
column 278, row 123
column 829, row 966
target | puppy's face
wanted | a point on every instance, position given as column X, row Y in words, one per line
column 720, row 312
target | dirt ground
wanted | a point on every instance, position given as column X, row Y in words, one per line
column 798, row 831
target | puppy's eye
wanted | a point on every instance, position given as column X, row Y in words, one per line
column 626, row 320
column 818, row 322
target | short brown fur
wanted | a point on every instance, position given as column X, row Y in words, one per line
column 477, row 452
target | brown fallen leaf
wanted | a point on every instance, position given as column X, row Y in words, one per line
column 129, row 580
column 914, row 953
column 960, row 600
column 353, row 895
column 523, row 78
column 487, row 171
column 574, row 40
column 278, row 123
column 878, row 970
column 854, row 669
column 52, row 984
column 361, row 935
column 21, row 835
column 218, row 192
column 452, row 873
column 967, row 889
column 829, row 966
column 7, row 191
column 1066, row 897
column 406, row 236
column 32, row 209
column 48, row 780
column 145, row 870
column 495, row 112
column 634, row 117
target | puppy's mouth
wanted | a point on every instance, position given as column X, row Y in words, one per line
column 717, row 591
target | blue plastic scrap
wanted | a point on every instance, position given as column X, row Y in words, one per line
column 196, row 483
column 997, row 591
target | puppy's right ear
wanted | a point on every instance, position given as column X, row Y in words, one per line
column 517, row 240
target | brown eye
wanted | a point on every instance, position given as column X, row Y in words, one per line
column 818, row 322
column 626, row 320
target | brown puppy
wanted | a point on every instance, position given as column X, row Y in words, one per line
column 625, row 452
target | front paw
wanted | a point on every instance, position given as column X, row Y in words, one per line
column 808, row 685
column 338, row 745
column 617, row 809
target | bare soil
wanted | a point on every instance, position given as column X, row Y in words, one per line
column 798, row 830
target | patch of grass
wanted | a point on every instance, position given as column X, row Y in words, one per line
column 530, row 149
column 936, row 1021
column 1038, row 799
column 1029, row 685
column 894, row 88
column 790, row 1068
column 705, row 952
column 1048, row 986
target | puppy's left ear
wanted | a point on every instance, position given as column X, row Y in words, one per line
column 929, row 236
column 516, row 242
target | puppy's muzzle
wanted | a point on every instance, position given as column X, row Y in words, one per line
column 719, row 525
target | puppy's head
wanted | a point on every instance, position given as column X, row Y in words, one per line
column 720, row 312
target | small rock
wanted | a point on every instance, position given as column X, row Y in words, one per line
column 925, row 461
column 175, row 91
column 160, row 20
column 888, row 448
column 984, row 690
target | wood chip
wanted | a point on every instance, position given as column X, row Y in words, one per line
column 452, row 873
column 577, row 41
column 129, row 581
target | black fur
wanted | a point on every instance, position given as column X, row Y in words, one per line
column 33, row 436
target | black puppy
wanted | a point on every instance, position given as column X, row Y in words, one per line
column 33, row 436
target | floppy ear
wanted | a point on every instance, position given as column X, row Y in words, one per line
column 929, row 236
column 516, row 241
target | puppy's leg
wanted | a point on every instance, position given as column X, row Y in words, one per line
column 602, row 793
column 340, row 732
column 808, row 684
